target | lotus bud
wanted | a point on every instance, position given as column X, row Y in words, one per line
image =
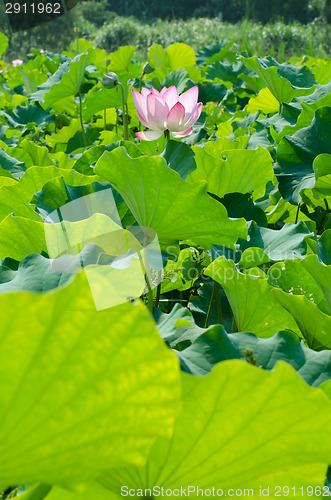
column 148, row 68
column 304, row 59
column 110, row 80
column 107, row 62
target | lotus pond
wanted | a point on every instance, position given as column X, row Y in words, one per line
column 165, row 295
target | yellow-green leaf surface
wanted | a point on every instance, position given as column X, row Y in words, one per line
column 254, row 307
column 265, row 101
column 81, row 390
column 176, row 56
column 240, row 427
column 160, row 199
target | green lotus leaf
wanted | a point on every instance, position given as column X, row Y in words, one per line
column 160, row 199
column 225, row 71
column 265, row 245
column 76, row 397
column 265, row 101
column 322, row 169
column 56, row 193
column 38, row 154
column 176, row 56
column 20, row 236
column 254, row 307
column 36, row 492
column 242, row 205
column 322, row 246
column 209, row 91
column 100, row 100
column 23, row 115
column 179, row 78
column 16, row 198
column 91, row 491
column 308, row 277
column 64, row 134
column 3, row 43
column 319, row 98
column 14, row 166
column 35, row 273
column 243, row 171
column 87, row 161
column 215, row 52
column 179, row 157
column 64, row 83
column 236, row 430
column 295, row 155
column 121, row 58
column 284, row 81
column 207, row 347
column 314, row 325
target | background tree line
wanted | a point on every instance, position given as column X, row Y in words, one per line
column 263, row 11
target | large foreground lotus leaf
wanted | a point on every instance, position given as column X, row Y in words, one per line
column 16, row 198
column 91, row 491
column 160, row 199
column 254, row 308
column 78, row 386
column 65, row 82
column 296, row 154
column 243, row 171
column 284, row 81
column 240, row 427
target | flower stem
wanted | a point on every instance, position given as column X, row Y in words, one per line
column 125, row 117
column 167, row 135
column 210, row 308
column 81, row 119
column 158, row 293
column 297, row 214
column 104, row 119
column 140, row 87
column 234, row 326
column 218, row 303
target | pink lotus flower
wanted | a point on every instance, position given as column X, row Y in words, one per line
column 17, row 62
column 166, row 110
